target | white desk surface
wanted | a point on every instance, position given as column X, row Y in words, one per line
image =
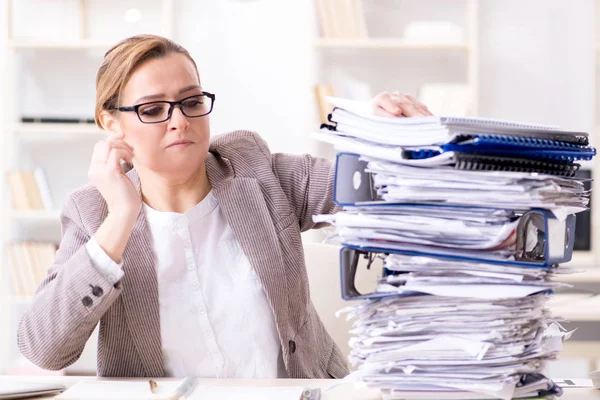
column 342, row 392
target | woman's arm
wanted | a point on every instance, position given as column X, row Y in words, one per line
column 72, row 299
column 308, row 184
column 308, row 181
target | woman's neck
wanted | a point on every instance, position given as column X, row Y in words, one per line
column 174, row 194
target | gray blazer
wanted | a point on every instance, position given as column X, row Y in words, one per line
column 268, row 199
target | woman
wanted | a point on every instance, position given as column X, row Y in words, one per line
column 192, row 261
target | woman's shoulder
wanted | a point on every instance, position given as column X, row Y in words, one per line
column 240, row 144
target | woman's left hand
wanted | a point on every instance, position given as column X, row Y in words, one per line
column 395, row 104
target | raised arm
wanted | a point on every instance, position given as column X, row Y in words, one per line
column 308, row 184
column 69, row 303
column 83, row 281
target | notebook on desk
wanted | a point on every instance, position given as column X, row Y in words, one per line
column 12, row 389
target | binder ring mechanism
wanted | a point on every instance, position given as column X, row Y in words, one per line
column 542, row 241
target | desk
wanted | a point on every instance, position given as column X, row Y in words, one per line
column 342, row 392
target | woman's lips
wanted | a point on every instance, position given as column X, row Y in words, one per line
column 180, row 143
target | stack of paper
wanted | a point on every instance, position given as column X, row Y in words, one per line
column 462, row 143
column 470, row 245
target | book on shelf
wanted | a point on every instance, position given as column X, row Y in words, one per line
column 57, row 120
column 29, row 190
column 322, row 91
column 341, row 19
column 29, row 262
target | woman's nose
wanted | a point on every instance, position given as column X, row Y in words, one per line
column 178, row 121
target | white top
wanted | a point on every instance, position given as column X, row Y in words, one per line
column 216, row 321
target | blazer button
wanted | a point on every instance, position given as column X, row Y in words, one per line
column 87, row 301
column 97, row 290
column 292, row 345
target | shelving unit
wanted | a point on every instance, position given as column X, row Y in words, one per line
column 388, row 44
column 364, row 44
column 35, row 215
column 44, row 132
column 82, row 44
column 20, row 225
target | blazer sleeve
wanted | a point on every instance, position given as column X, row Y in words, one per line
column 69, row 303
column 308, row 184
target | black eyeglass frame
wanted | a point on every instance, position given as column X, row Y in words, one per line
column 172, row 105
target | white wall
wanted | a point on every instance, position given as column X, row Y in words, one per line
column 538, row 61
column 257, row 57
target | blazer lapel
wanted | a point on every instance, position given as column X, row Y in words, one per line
column 140, row 294
column 245, row 209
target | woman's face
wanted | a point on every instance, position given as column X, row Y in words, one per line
column 178, row 146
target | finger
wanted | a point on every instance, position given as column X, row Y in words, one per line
column 419, row 105
column 115, row 157
column 119, row 144
column 117, row 138
column 409, row 105
column 101, row 152
column 383, row 104
column 410, row 109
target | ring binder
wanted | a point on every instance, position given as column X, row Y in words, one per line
column 541, row 240
column 350, row 256
column 481, row 162
column 354, row 186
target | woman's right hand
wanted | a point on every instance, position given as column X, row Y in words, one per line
column 106, row 174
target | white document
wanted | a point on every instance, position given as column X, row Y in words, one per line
column 478, row 291
column 10, row 388
column 118, row 390
column 140, row 390
column 363, row 110
column 206, row 392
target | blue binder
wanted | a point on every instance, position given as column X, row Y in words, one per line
column 353, row 186
column 510, row 146
column 350, row 255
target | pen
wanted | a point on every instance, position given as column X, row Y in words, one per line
column 185, row 387
column 153, row 386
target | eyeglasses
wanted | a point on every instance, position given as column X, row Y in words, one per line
column 160, row 111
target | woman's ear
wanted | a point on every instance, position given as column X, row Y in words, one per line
column 110, row 123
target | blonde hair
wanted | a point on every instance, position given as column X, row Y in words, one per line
column 121, row 61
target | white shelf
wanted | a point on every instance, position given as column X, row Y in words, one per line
column 29, row 216
column 59, row 45
column 388, row 43
column 53, row 132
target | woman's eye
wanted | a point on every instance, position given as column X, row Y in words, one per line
column 192, row 103
column 151, row 111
